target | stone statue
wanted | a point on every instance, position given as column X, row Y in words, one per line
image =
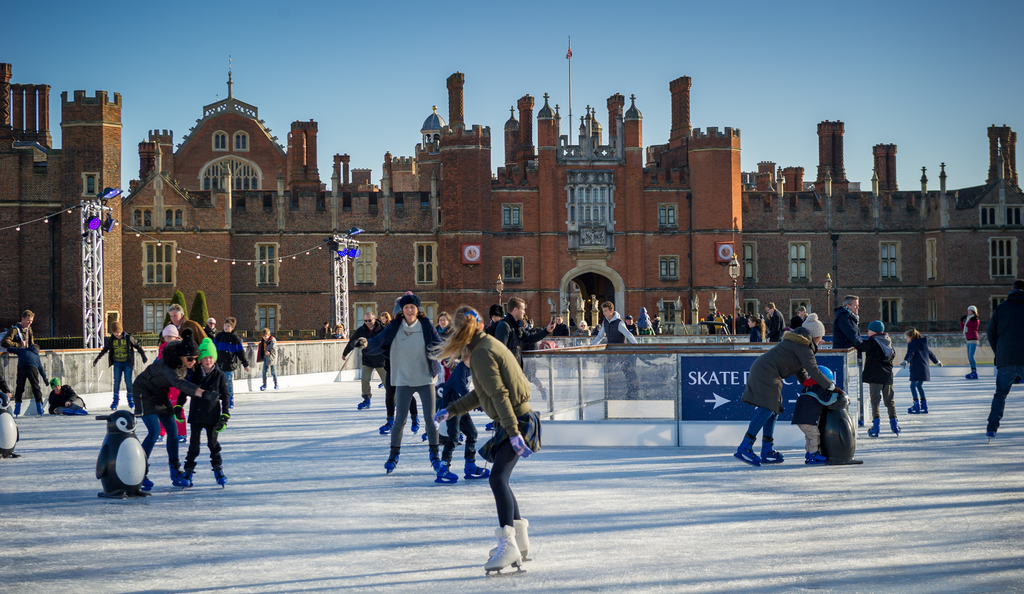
column 694, row 304
column 711, row 303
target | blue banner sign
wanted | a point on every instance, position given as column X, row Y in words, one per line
column 712, row 386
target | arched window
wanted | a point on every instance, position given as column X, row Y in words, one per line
column 177, row 218
column 169, row 218
column 244, row 175
column 241, row 141
column 220, row 141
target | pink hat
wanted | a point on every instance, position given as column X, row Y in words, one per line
column 170, row 331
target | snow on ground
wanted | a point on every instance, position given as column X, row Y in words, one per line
column 309, row 508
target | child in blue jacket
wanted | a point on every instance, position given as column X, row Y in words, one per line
column 917, row 357
column 456, row 387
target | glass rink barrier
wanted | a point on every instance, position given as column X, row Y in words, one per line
column 662, row 394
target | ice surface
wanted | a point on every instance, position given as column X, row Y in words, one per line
column 309, row 508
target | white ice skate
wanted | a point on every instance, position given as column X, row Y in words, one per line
column 506, row 553
column 522, row 541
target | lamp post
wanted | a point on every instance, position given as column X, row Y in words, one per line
column 734, row 272
column 499, row 286
column 828, row 290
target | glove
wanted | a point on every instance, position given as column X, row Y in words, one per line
column 520, row 446
column 839, row 391
column 441, row 416
column 903, row 365
column 939, row 363
column 95, row 362
column 210, row 395
column 223, row 423
column 361, row 343
column 179, row 414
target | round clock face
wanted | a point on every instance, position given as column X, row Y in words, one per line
column 471, row 253
column 725, row 251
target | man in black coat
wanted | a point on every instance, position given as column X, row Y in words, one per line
column 1006, row 335
column 561, row 329
column 510, row 332
column 775, row 323
column 371, row 362
column 846, row 325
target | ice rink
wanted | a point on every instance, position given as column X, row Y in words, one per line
column 309, row 508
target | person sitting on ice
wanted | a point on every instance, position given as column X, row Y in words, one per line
column 64, row 401
column 807, row 412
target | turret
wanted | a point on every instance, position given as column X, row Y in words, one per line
column 511, row 139
column 547, row 126
column 633, row 122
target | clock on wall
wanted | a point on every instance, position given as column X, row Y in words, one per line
column 471, row 253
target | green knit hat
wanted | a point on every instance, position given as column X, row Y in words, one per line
column 207, row 349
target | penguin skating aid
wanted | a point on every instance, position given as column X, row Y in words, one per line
column 8, row 429
column 121, row 465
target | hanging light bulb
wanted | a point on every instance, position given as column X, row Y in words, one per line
column 158, row 244
column 215, row 260
column 197, row 256
column 137, row 235
column 17, row 228
column 179, row 250
column 293, row 257
column 46, row 220
column 307, row 253
column 232, row 262
column 248, row 263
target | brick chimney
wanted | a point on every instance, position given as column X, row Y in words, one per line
column 830, row 155
column 680, row 90
column 5, row 101
column 455, row 110
column 616, row 103
column 525, row 105
column 794, row 179
column 885, row 166
column 147, row 158
column 1004, row 139
column 344, row 168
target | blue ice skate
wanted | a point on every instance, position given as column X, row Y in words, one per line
column 475, row 472
column 746, row 453
column 446, row 476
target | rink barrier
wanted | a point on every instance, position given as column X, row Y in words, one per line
column 662, row 394
column 294, row 359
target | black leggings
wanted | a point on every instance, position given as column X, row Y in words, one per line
column 389, row 398
column 504, row 461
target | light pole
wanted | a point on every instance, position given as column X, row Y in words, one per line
column 499, row 286
column 828, row 290
column 734, row 272
column 343, row 249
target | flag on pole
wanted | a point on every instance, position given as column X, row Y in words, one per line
column 568, row 55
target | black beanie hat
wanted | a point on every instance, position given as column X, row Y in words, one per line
column 497, row 310
column 188, row 347
column 409, row 300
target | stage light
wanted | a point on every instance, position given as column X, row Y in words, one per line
column 94, row 223
column 109, row 193
column 355, row 231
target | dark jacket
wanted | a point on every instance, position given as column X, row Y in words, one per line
column 374, row 361
column 267, row 351
column 775, row 323
column 67, row 394
column 152, row 386
column 510, row 332
column 810, row 402
column 446, row 332
column 614, row 330
column 794, row 355
column 29, row 357
column 230, row 350
column 1006, row 330
column 457, row 385
column 11, row 339
column 203, row 410
column 755, row 335
column 381, row 343
column 499, row 385
column 878, row 358
column 917, row 356
column 795, row 322
column 108, row 348
column 561, row 330
column 845, row 329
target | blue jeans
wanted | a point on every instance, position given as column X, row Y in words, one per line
column 917, row 390
column 230, row 375
column 1006, row 376
column 971, row 348
column 763, row 419
column 273, row 372
column 153, row 423
column 122, row 369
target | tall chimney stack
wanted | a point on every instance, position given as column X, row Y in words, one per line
column 680, row 90
column 455, row 110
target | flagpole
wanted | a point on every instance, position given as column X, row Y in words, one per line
column 569, row 56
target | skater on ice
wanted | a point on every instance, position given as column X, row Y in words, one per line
column 877, row 374
column 208, row 413
column 64, row 401
column 501, row 389
column 455, row 388
column 267, row 354
column 153, row 386
column 386, row 321
column 120, row 349
column 230, row 352
column 917, row 357
column 969, row 325
column 807, row 414
column 30, row 369
column 406, row 343
column 370, row 363
column 1006, row 335
column 793, row 355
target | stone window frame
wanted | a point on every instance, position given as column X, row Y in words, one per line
column 885, row 307
column 752, row 311
column 220, row 135
column 240, row 179
column 806, row 261
column 890, row 262
column 580, row 180
column 359, row 310
column 177, row 217
column 994, row 301
column 240, row 138
column 514, row 220
column 164, row 247
column 665, row 265
column 139, row 217
column 987, row 215
column 268, row 263
column 508, row 263
column 931, row 258
column 749, row 262
column 430, row 265
column 1013, row 215
column 995, row 259
column 158, row 319
column 671, row 215
column 366, row 262
column 263, row 320
column 933, row 310
column 94, row 178
column 430, row 309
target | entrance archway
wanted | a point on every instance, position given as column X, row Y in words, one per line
column 588, row 280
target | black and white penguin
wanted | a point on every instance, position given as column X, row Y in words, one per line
column 8, row 429
column 122, row 462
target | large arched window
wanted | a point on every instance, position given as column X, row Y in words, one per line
column 244, row 174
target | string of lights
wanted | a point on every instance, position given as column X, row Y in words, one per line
column 44, row 218
column 217, row 259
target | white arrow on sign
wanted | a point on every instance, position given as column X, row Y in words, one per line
column 719, row 401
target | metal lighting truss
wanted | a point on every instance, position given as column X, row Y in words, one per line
column 92, row 275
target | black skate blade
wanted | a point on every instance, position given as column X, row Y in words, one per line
column 848, row 463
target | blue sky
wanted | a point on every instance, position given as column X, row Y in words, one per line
column 927, row 76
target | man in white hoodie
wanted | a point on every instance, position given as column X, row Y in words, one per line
column 612, row 327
